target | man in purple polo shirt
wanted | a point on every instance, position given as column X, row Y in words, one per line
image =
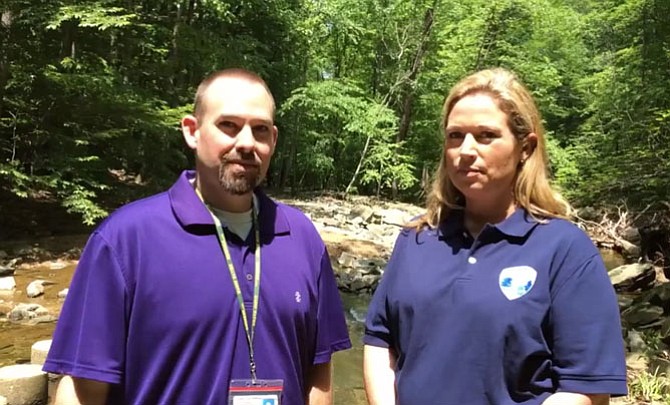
column 207, row 292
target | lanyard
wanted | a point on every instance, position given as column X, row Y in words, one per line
column 238, row 292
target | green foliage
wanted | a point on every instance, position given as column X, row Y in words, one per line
column 387, row 165
column 340, row 120
column 650, row 387
column 90, row 88
column 94, row 15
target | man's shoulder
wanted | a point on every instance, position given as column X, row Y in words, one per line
column 295, row 217
column 138, row 213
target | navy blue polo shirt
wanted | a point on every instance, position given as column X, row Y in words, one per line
column 523, row 311
column 152, row 309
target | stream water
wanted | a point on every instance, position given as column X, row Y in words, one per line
column 17, row 339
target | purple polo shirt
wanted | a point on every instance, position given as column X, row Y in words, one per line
column 152, row 308
column 524, row 310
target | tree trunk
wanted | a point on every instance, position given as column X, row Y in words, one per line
column 489, row 38
column 410, row 84
column 5, row 31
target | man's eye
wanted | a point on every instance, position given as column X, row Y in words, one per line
column 228, row 125
column 455, row 135
column 488, row 134
column 261, row 128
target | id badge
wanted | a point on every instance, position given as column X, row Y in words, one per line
column 259, row 392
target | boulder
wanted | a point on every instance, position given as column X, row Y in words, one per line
column 629, row 249
column 636, row 343
column 35, row 288
column 362, row 211
column 643, row 314
column 24, row 312
column 632, row 235
column 346, row 259
column 24, row 384
column 632, row 277
column 57, row 265
column 39, row 351
column 393, row 216
column 7, row 283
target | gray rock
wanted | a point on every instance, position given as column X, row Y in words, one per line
column 24, row 312
column 588, row 213
column 24, row 384
column 659, row 296
column 19, row 314
column 42, row 319
column 366, row 267
column 7, row 283
column 641, row 315
column 632, row 235
column 363, row 212
column 7, row 269
column 63, row 293
column 347, row 260
column 393, row 216
column 35, row 288
column 635, row 342
column 629, row 249
column 631, row 277
column 331, row 222
column 57, row 265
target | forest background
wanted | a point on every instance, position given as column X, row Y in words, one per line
column 91, row 92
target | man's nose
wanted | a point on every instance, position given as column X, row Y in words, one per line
column 245, row 138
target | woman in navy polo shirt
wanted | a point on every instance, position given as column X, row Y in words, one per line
column 493, row 296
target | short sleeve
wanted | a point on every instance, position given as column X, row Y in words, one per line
column 588, row 347
column 332, row 334
column 89, row 340
column 378, row 326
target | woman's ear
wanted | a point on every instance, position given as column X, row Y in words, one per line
column 528, row 146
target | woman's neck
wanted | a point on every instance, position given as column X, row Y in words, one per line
column 477, row 216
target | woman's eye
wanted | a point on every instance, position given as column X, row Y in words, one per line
column 486, row 136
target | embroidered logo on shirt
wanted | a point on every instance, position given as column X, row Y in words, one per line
column 515, row 282
column 298, row 298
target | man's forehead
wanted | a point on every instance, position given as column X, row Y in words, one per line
column 237, row 95
column 233, row 86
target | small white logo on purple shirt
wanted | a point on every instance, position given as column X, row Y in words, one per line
column 515, row 282
column 298, row 298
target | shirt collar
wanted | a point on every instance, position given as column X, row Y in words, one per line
column 190, row 211
column 516, row 225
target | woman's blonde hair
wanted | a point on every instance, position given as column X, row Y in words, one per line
column 532, row 190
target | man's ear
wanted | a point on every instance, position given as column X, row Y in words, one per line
column 189, row 129
column 275, row 133
column 528, row 147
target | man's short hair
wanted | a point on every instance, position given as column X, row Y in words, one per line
column 232, row 73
